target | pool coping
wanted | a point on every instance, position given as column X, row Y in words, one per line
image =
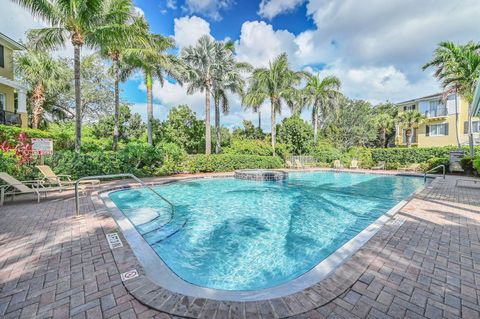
column 315, row 288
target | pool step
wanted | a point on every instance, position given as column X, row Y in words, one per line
column 154, row 224
column 164, row 232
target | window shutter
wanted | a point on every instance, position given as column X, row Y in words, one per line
column 2, row 58
column 446, row 128
column 465, row 127
column 427, row 132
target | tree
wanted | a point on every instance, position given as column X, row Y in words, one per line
column 296, row 134
column 201, row 62
column 249, row 131
column 130, row 126
column 152, row 60
column 320, row 93
column 275, row 83
column 457, row 67
column 410, row 119
column 184, row 129
column 351, row 124
column 227, row 77
column 83, row 22
column 384, row 119
column 113, row 48
column 43, row 74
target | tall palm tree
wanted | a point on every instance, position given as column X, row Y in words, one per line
column 201, row 62
column 227, row 78
column 42, row 74
column 275, row 83
column 410, row 119
column 153, row 61
column 113, row 48
column 385, row 123
column 82, row 22
column 319, row 93
column 457, row 67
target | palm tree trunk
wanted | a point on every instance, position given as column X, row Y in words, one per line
column 409, row 137
column 315, row 124
column 259, row 119
column 217, row 125
column 384, row 137
column 148, row 81
column 456, row 121
column 208, row 133
column 78, row 98
column 116, row 116
column 274, row 128
column 38, row 98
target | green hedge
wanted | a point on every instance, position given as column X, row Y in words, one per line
column 228, row 162
column 10, row 133
column 413, row 155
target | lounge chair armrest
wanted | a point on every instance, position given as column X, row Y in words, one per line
column 64, row 175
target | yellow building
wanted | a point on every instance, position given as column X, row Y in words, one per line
column 438, row 128
column 13, row 96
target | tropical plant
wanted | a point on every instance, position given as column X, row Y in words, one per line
column 83, row 22
column 275, row 83
column 320, row 93
column 385, row 124
column 151, row 59
column 409, row 120
column 457, row 67
column 202, row 62
column 113, row 47
column 227, row 78
column 43, row 74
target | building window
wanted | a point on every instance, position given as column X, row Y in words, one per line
column 414, row 136
column 437, row 129
column 3, row 102
column 409, row 107
column 475, row 127
column 2, row 56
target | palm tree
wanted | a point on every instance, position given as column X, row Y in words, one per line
column 410, row 119
column 385, row 123
column 201, row 62
column 227, row 78
column 275, row 83
column 456, row 66
column 319, row 93
column 153, row 62
column 42, row 74
column 113, row 46
column 82, row 22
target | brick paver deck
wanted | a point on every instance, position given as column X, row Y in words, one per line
column 425, row 264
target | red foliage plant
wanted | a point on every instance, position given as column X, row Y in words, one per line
column 23, row 148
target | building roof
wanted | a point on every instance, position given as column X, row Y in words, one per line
column 422, row 98
column 12, row 44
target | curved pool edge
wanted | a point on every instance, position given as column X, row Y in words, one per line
column 342, row 268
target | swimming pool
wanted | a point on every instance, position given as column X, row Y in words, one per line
column 244, row 235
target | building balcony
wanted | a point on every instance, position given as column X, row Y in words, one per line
column 10, row 118
column 439, row 112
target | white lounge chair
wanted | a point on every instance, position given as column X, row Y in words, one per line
column 298, row 164
column 354, row 164
column 15, row 187
column 337, row 164
column 61, row 180
column 289, row 164
column 380, row 165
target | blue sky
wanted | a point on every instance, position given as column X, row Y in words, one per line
column 375, row 47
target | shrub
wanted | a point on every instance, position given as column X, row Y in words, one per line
column 413, row 155
column 362, row 154
column 434, row 162
column 467, row 164
column 229, row 162
column 11, row 133
column 173, row 156
column 325, row 153
column 254, row 147
column 476, row 164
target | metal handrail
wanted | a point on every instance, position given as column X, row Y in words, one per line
column 77, row 200
column 433, row 169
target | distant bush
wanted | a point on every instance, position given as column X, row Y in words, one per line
column 11, row 133
column 325, row 153
column 254, row 147
column 434, row 162
column 229, row 162
column 413, row 155
column 476, row 164
column 362, row 154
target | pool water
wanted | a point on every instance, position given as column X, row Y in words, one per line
column 235, row 234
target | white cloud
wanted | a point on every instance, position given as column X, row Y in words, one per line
column 259, row 43
column 18, row 21
column 208, row 8
column 271, row 8
column 189, row 29
column 171, row 4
